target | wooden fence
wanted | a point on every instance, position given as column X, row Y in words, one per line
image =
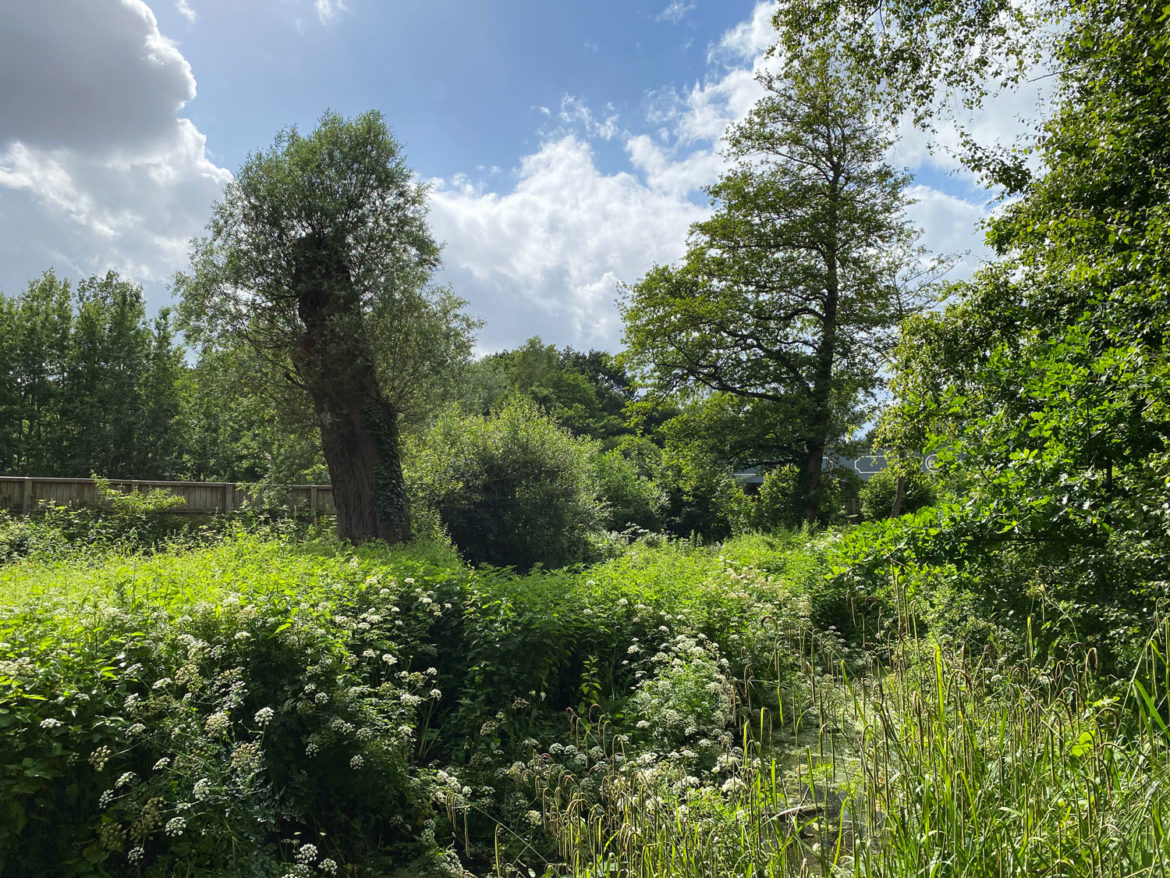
column 27, row 494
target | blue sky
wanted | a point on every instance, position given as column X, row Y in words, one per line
column 567, row 144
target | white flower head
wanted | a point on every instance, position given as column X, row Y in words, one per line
column 264, row 716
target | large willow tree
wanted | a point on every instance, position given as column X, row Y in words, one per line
column 788, row 293
column 318, row 253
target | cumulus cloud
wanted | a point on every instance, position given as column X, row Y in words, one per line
column 97, row 169
column 547, row 257
column 951, row 226
column 748, row 39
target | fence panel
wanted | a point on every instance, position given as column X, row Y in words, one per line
column 26, row 494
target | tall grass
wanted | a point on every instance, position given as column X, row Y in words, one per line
column 933, row 764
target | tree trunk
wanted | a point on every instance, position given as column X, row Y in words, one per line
column 899, row 495
column 359, row 429
column 811, row 478
column 822, row 385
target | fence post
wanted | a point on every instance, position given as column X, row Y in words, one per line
column 26, row 497
column 229, row 490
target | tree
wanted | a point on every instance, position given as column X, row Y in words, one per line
column 788, row 292
column 316, row 250
column 10, row 404
column 1046, row 381
column 244, row 422
column 89, row 384
column 43, row 319
column 586, row 392
column 109, row 351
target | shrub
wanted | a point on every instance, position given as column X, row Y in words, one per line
column 702, row 497
column 777, row 505
column 877, row 495
column 632, row 499
column 511, row 488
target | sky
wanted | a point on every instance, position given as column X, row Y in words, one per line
column 566, row 145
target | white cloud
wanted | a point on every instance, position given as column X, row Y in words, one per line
column 185, row 10
column 749, row 39
column 327, row 10
column 677, row 177
column 950, row 226
column 547, row 257
column 707, row 111
column 97, row 169
column 576, row 111
column 675, row 12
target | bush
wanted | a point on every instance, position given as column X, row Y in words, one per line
column 702, row 497
column 512, row 488
column 632, row 499
column 221, row 710
column 877, row 495
column 777, row 506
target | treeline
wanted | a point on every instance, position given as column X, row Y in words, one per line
column 88, row 383
column 92, row 385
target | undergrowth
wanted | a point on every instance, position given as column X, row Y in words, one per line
column 281, row 706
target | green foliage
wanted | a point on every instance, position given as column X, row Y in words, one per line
column 88, row 382
column 921, row 56
column 512, row 488
column 160, row 721
column 877, row 495
column 319, row 257
column 221, row 708
column 778, row 503
column 788, row 292
column 1046, row 379
column 586, row 393
column 703, row 500
column 244, row 422
column 631, row 497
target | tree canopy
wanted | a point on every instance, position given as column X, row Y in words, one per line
column 319, row 257
column 788, row 293
column 1046, row 381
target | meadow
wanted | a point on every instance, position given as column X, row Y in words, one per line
column 266, row 700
